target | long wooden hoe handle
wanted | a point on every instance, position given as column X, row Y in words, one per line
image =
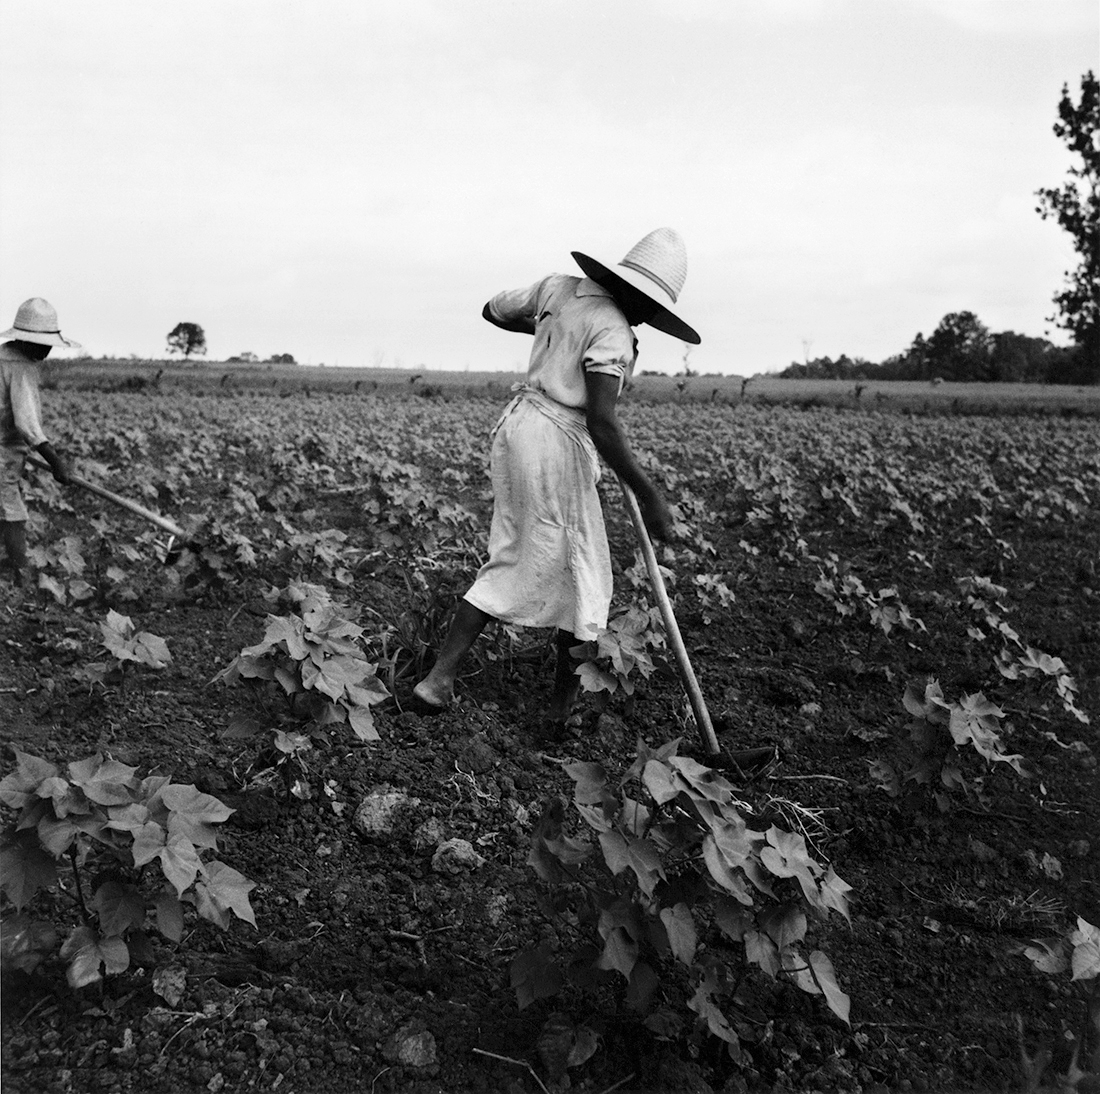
column 117, row 499
column 679, row 650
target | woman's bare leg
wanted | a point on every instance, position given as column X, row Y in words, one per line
column 437, row 689
column 566, row 682
column 13, row 536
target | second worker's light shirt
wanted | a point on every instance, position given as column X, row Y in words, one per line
column 20, row 408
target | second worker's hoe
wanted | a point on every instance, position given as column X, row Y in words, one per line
column 178, row 537
column 746, row 763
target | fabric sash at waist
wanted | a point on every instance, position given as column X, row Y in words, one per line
column 571, row 420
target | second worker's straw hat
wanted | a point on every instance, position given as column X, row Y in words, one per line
column 36, row 321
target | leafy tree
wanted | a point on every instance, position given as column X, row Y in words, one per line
column 282, row 359
column 1076, row 207
column 1021, row 359
column 960, row 348
column 187, row 338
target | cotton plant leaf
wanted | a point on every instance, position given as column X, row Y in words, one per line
column 702, row 780
column 1085, row 961
column 180, row 862
column 285, row 630
column 595, row 679
column 793, row 967
column 361, row 721
column 682, row 934
column 620, row 953
column 638, row 855
column 597, row 817
column 90, row 956
column 590, row 782
column 660, row 781
column 149, row 842
column 17, row 788
column 193, row 814
column 25, row 943
column 229, row 889
column 760, row 950
column 727, row 876
column 784, row 924
column 733, row 919
column 633, row 816
column 834, row 892
column 786, row 856
column 702, row 1001
column 369, row 691
column 104, row 781
column 169, row 915
column 1048, row 955
column 731, row 846
column 117, row 631
column 128, row 818
column 151, row 650
column 534, row 975
column 56, row 836
column 292, row 743
column 118, row 906
column 24, row 869
column 585, row 1043
column 839, row 1002
column 65, row 798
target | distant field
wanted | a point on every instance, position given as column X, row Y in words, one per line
column 916, row 396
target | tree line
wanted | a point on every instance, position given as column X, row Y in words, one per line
column 962, row 348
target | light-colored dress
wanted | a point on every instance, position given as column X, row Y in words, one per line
column 549, row 563
column 20, row 426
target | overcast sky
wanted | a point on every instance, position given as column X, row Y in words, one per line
column 349, row 181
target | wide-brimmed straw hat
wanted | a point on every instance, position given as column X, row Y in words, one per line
column 656, row 267
column 36, row 321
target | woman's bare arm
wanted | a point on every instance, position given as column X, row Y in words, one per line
column 611, row 443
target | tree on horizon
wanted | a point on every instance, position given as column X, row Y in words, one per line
column 188, row 339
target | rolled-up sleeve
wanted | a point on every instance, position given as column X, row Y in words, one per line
column 518, row 306
column 612, row 352
column 26, row 410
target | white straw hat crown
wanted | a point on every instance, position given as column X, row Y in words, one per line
column 36, row 321
column 662, row 258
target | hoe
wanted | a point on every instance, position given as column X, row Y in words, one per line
column 749, row 761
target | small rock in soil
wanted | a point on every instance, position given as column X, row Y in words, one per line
column 411, row 1045
column 377, row 811
column 455, row 855
column 429, row 834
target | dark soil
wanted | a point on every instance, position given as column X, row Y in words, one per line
column 364, row 952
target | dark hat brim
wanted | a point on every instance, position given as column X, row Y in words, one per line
column 663, row 320
column 39, row 338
